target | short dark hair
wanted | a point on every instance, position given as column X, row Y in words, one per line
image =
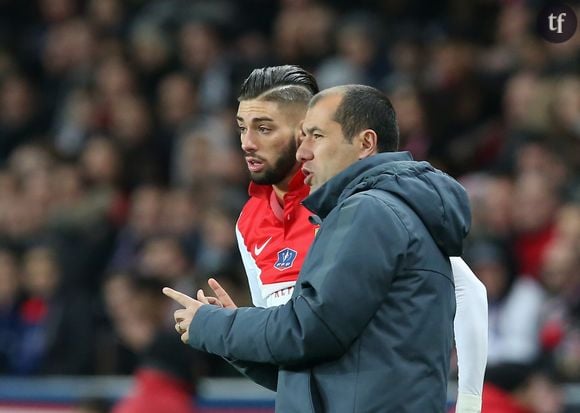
column 286, row 84
column 364, row 107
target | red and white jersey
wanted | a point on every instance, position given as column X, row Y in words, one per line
column 273, row 241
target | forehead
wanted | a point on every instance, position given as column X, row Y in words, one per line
column 254, row 109
column 323, row 111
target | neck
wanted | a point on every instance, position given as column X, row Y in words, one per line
column 282, row 187
column 280, row 192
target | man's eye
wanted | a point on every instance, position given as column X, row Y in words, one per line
column 242, row 129
column 317, row 136
column 263, row 129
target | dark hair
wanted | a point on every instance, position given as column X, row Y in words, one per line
column 287, row 83
column 364, row 107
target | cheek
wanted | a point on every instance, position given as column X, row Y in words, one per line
column 278, row 142
column 343, row 157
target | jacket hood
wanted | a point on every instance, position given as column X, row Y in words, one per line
column 439, row 200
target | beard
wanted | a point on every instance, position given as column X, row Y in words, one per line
column 281, row 168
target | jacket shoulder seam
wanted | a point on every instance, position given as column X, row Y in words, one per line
column 432, row 271
column 390, row 205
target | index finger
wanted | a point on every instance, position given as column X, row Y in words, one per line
column 181, row 298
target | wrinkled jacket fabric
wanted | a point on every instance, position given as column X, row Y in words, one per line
column 370, row 325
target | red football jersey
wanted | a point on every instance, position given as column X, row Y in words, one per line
column 273, row 241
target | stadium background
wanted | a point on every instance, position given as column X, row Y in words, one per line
column 120, row 168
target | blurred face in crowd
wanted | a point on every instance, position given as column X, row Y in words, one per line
column 145, row 213
column 568, row 224
column 199, row 46
column 324, row 150
column 130, row 121
column 534, row 203
column 177, row 99
column 16, row 101
column 541, row 395
column 559, row 270
column 8, row 278
column 105, row 13
column 163, row 258
column 494, row 275
column 268, row 133
column 498, row 205
column 41, row 272
column 56, row 10
column 100, row 161
column 180, row 213
column 114, row 79
column 117, row 292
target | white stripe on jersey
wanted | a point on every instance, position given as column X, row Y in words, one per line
column 262, row 295
column 252, row 271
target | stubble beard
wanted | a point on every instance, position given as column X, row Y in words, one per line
column 281, row 169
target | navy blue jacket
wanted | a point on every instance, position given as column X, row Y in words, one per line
column 370, row 325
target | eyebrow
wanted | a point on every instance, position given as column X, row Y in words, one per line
column 256, row 120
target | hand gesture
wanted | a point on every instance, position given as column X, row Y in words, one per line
column 183, row 316
column 222, row 296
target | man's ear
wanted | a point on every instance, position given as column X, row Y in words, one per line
column 367, row 140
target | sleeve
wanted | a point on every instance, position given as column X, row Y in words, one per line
column 266, row 375
column 519, row 321
column 320, row 323
column 470, row 336
column 252, row 271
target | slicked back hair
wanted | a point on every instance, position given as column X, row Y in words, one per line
column 283, row 84
column 364, row 107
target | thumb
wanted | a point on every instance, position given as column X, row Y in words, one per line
column 201, row 296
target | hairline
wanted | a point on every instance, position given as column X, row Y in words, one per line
column 265, row 95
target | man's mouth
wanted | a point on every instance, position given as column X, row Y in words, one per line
column 254, row 164
column 308, row 175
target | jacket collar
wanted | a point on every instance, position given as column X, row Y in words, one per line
column 325, row 198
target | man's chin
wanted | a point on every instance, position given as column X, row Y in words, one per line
column 260, row 178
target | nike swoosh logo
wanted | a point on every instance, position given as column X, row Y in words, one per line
column 258, row 250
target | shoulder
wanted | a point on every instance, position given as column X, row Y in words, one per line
column 371, row 211
column 254, row 206
column 374, row 204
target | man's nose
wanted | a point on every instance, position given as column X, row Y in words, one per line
column 304, row 152
column 248, row 143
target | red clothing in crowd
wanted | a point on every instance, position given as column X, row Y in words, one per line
column 496, row 400
column 157, row 392
column 530, row 249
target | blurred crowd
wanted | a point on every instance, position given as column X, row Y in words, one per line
column 120, row 167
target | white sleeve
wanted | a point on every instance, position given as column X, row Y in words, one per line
column 471, row 331
column 252, row 271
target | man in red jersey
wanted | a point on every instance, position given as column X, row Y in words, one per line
column 274, row 232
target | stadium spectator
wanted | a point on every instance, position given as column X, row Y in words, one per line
column 482, row 93
column 521, row 388
column 513, row 331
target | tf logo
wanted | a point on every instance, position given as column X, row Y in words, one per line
column 286, row 259
column 556, row 22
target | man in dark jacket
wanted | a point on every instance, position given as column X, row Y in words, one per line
column 369, row 327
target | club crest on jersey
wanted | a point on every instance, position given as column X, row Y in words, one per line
column 286, row 259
